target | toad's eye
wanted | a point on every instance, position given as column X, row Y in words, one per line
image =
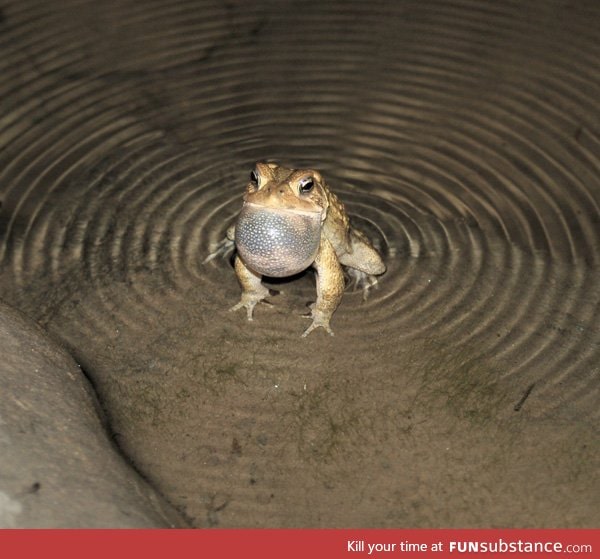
column 306, row 185
column 254, row 178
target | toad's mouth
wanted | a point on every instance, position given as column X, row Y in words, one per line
column 253, row 206
column 277, row 242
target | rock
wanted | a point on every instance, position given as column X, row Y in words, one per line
column 58, row 465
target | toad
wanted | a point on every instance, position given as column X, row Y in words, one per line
column 290, row 220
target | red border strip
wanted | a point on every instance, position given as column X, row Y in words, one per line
column 290, row 544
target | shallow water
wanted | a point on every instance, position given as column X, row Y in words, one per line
column 463, row 136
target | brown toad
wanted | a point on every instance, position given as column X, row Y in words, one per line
column 289, row 221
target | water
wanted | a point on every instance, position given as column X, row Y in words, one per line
column 463, row 137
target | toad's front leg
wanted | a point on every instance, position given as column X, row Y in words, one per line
column 330, row 287
column 253, row 291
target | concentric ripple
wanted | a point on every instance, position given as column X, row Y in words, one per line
column 463, row 137
column 486, row 202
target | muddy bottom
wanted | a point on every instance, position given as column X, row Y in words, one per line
column 462, row 136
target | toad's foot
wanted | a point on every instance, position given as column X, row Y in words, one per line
column 361, row 280
column 223, row 248
column 319, row 319
column 250, row 299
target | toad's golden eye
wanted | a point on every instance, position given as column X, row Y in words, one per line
column 306, row 185
column 254, row 177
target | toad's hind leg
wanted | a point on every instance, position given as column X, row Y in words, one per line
column 253, row 291
column 223, row 248
column 363, row 262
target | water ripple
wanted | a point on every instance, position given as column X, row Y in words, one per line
column 464, row 141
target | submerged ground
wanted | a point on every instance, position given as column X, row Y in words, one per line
column 463, row 136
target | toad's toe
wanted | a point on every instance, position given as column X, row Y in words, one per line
column 361, row 280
